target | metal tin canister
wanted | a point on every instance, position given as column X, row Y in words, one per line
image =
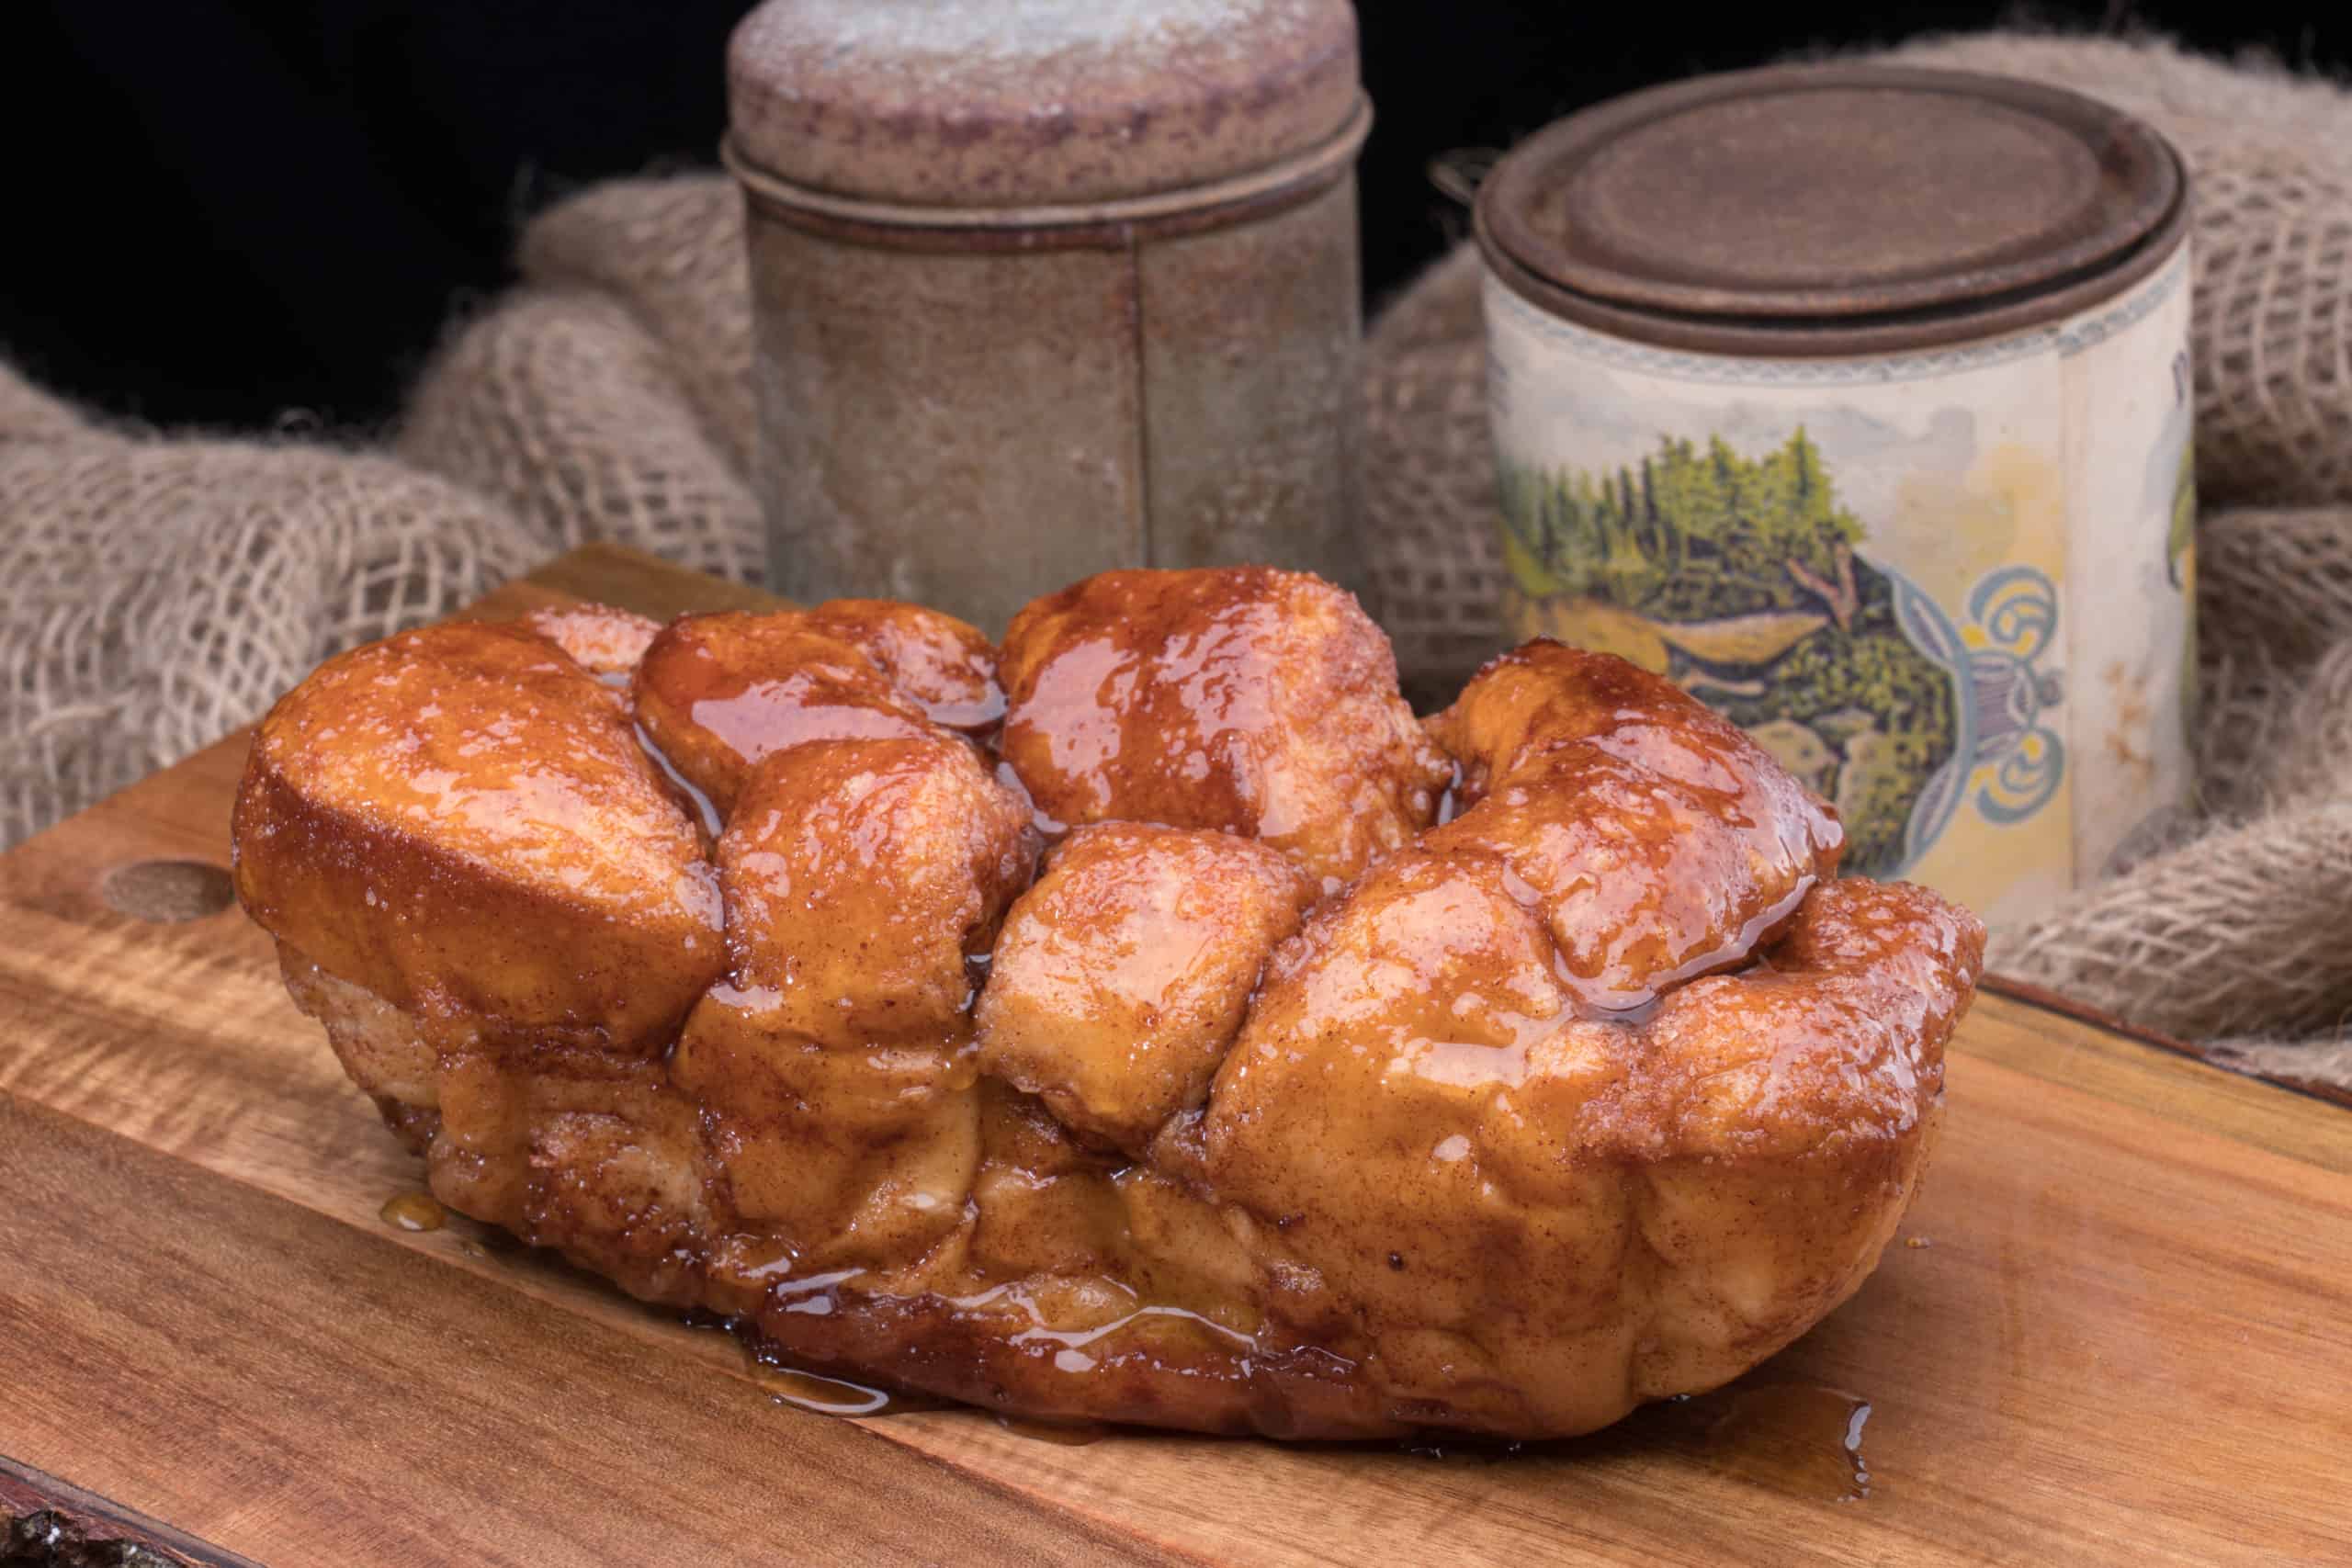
column 1856, row 399
column 1046, row 290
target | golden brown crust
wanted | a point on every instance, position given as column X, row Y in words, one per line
column 1455, row 1168
column 860, row 875
column 943, row 665
column 718, row 694
column 1243, row 699
column 1121, row 977
column 835, row 1067
column 459, row 820
column 1602, row 1091
column 1659, row 841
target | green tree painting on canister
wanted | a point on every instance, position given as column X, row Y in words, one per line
column 1856, row 399
column 1739, row 578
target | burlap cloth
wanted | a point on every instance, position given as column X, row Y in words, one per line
column 154, row 592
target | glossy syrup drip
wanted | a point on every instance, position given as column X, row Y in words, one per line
column 821, row 1395
column 1078, row 1342
column 1456, row 797
column 818, row 1393
column 704, row 812
column 1801, row 1439
column 942, row 665
column 1638, row 1005
column 1215, row 700
column 1049, row 828
column 413, row 1212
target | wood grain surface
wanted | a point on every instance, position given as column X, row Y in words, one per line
column 2121, row 1335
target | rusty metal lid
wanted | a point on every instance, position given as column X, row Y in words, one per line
column 983, row 104
column 1876, row 206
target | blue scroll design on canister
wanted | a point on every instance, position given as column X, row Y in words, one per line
column 2003, row 754
column 2017, row 609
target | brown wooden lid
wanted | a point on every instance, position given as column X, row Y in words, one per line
column 980, row 104
column 1902, row 203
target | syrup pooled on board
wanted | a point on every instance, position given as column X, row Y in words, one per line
column 1801, row 1439
column 819, row 1396
column 413, row 1212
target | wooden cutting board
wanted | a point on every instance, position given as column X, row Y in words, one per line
column 2119, row 1328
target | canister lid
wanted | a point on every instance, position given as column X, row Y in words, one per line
column 1014, row 103
column 1897, row 202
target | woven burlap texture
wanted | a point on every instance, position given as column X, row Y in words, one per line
column 155, row 593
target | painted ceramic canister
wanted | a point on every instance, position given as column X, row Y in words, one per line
column 1856, row 399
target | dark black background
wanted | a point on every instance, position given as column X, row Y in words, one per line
column 219, row 212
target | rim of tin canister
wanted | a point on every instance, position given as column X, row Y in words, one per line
column 1734, row 213
column 1115, row 221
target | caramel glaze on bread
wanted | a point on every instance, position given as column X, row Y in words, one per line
column 1151, row 1022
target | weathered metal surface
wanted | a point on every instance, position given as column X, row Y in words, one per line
column 1812, row 211
column 969, row 104
column 1079, row 292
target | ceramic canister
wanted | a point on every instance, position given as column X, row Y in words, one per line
column 1856, row 399
column 1043, row 289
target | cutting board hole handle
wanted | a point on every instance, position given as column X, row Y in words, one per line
column 167, row 891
